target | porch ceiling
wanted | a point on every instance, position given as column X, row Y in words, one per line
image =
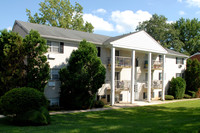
column 139, row 41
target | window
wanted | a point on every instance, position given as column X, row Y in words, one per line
column 160, row 58
column 178, row 75
column 55, row 47
column 160, row 76
column 54, row 74
column 144, row 95
column 116, row 52
column 179, row 60
column 99, row 51
column 152, row 94
column 160, row 93
column 108, row 98
column 121, row 97
column 146, row 76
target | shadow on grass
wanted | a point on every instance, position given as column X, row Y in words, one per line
column 139, row 119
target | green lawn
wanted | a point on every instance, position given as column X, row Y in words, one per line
column 177, row 117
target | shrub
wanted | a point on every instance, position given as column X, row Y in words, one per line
column 98, row 104
column 177, row 87
column 187, row 96
column 169, row 97
column 192, row 94
column 33, row 117
column 25, row 105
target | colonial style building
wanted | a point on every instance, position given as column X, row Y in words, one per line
column 137, row 66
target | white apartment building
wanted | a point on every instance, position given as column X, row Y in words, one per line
column 137, row 66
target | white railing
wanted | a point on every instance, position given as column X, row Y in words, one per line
column 121, row 61
column 122, row 84
column 154, row 64
column 156, row 84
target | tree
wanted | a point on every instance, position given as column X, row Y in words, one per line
column 182, row 36
column 192, row 75
column 189, row 35
column 11, row 61
column 157, row 27
column 60, row 13
column 82, row 78
column 37, row 67
column 22, row 61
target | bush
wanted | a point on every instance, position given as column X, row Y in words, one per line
column 187, row 96
column 98, row 104
column 33, row 117
column 192, row 94
column 169, row 97
column 25, row 105
column 177, row 87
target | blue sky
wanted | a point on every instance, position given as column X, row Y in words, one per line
column 109, row 17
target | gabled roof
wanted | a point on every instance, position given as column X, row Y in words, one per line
column 61, row 33
column 172, row 52
column 138, row 41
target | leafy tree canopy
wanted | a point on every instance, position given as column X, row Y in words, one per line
column 22, row 61
column 11, row 61
column 82, row 78
column 60, row 13
column 182, row 36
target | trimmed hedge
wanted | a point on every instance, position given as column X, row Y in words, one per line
column 26, row 106
column 177, row 87
column 169, row 97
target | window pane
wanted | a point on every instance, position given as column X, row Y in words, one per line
column 54, row 74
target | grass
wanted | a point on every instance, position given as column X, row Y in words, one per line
column 179, row 117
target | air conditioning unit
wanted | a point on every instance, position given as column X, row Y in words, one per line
column 179, row 66
column 51, row 56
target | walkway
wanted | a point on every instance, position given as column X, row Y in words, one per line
column 118, row 106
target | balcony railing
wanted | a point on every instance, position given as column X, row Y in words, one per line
column 121, row 62
column 122, row 84
column 155, row 65
column 156, row 84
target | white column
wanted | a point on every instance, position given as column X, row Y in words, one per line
column 112, row 76
column 163, row 79
column 149, row 79
column 132, row 76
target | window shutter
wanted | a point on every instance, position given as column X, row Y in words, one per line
column 61, row 47
column 99, row 51
column 176, row 60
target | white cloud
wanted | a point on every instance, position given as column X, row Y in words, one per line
column 193, row 2
column 98, row 23
column 9, row 28
column 181, row 13
column 101, row 10
column 126, row 21
column 179, row 1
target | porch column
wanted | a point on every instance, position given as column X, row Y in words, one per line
column 163, row 79
column 132, row 77
column 149, row 79
column 112, row 76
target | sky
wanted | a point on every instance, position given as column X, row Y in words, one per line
column 109, row 17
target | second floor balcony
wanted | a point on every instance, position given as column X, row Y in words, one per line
column 155, row 65
column 121, row 62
